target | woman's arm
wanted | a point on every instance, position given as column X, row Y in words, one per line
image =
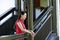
column 20, row 26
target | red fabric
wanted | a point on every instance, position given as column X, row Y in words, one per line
column 18, row 30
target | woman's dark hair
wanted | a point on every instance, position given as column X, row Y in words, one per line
column 21, row 13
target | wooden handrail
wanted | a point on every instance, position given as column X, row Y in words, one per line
column 13, row 37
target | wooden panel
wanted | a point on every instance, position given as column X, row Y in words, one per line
column 37, row 3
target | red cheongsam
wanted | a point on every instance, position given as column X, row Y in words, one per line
column 18, row 29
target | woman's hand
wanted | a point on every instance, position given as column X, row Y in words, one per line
column 32, row 33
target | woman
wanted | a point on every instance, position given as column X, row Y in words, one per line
column 20, row 26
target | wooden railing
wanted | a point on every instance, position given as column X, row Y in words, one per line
column 13, row 37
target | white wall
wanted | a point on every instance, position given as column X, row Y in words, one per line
column 58, row 18
column 5, row 5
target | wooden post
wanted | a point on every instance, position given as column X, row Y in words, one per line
column 30, row 15
column 53, row 12
column 18, row 6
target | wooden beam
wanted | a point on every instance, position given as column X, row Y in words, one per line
column 30, row 15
